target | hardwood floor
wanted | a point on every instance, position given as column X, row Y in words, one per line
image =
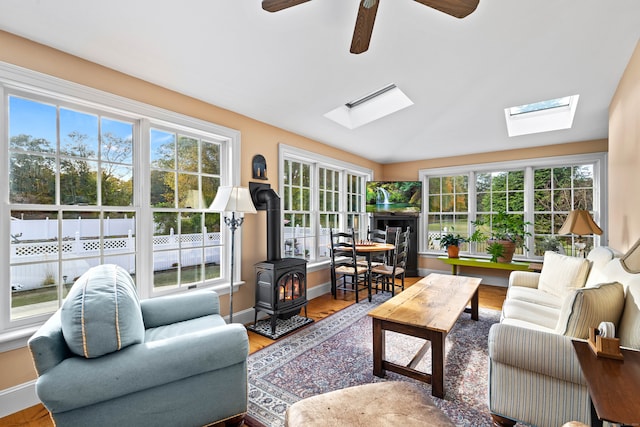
column 490, row 297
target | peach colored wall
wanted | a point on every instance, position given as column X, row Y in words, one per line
column 409, row 170
column 624, row 158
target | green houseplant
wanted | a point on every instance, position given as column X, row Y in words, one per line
column 508, row 231
column 451, row 242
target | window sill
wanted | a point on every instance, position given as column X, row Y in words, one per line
column 16, row 339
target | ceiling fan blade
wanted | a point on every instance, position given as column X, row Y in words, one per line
column 457, row 8
column 364, row 27
column 276, row 5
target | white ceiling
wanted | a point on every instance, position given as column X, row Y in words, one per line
column 291, row 67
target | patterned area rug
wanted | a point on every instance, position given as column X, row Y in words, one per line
column 283, row 326
column 336, row 352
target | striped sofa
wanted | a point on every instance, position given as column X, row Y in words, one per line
column 534, row 374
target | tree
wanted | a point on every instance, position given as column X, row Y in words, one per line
column 77, row 177
column 32, row 176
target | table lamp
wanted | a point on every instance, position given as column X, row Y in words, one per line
column 234, row 200
column 580, row 223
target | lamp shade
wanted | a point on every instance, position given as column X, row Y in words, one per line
column 581, row 223
column 233, row 199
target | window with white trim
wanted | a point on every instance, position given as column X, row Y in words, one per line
column 543, row 191
column 319, row 193
column 94, row 178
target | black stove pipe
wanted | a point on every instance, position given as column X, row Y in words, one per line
column 271, row 199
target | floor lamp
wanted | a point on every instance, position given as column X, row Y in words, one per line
column 581, row 223
column 234, row 200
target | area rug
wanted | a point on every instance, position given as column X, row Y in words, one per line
column 283, row 326
column 336, row 352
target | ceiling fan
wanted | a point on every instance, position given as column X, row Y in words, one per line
column 367, row 15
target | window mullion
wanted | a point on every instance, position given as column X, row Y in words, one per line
column 142, row 197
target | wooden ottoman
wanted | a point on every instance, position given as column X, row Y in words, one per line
column 392, row 403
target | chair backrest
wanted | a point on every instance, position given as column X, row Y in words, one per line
column 377, row 235
column 392, row 237
column 402, row 249
column 343, row 249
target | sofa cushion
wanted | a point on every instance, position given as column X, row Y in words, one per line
column 537, row 314
column 101, row 313
column 535, row 296
column 599, row 257
column 561, row 274
column 586, row 308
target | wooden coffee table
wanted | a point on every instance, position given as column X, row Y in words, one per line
column 427, row 310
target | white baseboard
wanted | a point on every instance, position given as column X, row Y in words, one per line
column 18, row 398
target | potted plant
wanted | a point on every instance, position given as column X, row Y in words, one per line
column 508, row 231
column 496, row 250
column 451, row 242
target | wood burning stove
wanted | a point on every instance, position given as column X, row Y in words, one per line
column 281, row 283
column 281, row 288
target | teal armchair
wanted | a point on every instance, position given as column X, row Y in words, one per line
column 186, row 367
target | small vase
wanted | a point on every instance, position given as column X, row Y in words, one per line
column 453, row 251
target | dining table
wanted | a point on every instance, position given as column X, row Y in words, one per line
column 367, row 248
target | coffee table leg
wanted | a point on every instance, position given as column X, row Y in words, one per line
column 437, row 364
column 378, row 348
column 474, row 305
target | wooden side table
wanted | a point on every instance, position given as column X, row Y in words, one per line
column 614, row 385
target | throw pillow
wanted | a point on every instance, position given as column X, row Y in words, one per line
column 586, row 308
column 561, row 274
column 101, row 313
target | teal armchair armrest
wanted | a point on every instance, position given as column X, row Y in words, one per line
column 170, row 309
column 48, row 347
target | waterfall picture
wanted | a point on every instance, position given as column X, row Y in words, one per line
column 394, row 197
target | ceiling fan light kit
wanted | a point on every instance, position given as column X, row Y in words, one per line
column 367, row 15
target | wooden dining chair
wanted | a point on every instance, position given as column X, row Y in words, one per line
column 346, row 274
column 378, row 236
column 385, row 275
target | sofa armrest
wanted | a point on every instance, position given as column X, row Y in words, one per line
column 177, row 308
column 527, row 279
column 536, row 351
column 47, row 345
column 79, row 382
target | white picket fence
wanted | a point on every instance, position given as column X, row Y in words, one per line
column 35, row 250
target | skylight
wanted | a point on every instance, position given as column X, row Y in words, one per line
column 368, row 108
column 543, row 116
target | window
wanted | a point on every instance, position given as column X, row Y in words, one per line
column 185, row 174
column 557, row 191
column 448, row 208
column 542, row 191
column 87, row 173
column 71, row 195
column 319, row 193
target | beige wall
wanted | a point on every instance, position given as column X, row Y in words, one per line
column 257, row 138
column 624, row 158
column 409, row 170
